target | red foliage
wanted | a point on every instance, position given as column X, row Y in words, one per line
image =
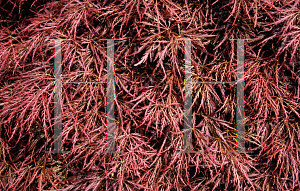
column 149, row 82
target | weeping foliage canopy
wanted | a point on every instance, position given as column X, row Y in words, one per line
column 149, row 94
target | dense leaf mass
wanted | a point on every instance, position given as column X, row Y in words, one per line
column 149, row 94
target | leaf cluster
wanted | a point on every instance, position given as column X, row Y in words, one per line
column 149, row 94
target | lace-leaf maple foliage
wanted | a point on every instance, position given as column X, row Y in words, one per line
column 149, row 100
